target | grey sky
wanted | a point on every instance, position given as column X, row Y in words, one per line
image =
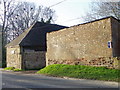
column 68, row 12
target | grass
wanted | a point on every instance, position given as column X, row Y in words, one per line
column 16, row 69
column 9, row 68
column 80, row 71
column 12, row 69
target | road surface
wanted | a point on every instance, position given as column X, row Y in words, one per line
column 22, row 80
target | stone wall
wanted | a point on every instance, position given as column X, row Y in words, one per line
column 25, row 60
column 110, row 62
column 13, row 57
column 0, row 47
column 115, row 37
column 34, row 60
column 85, row 44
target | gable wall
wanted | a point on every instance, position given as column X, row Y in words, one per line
column 14, row 57
column 115, row 37
column 83, row 44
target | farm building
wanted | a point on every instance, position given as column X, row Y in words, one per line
column 28, row 51
column 93, row 43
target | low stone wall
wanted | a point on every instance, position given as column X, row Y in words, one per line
column 109, row 62
column 34, row 60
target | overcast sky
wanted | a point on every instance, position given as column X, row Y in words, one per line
column 68, row 12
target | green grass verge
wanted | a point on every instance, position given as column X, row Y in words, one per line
column 12, row 69
column 80, row 71
column 16, row 69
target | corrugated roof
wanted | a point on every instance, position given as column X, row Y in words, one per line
column 35, row 35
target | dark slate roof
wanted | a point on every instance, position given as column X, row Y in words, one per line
column 35, row 35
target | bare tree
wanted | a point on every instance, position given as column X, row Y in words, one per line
column 100, row 9
column 47, row 15
column 25, row 15
column 15, row 17
column 6, row 11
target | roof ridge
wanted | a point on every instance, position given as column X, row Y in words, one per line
column 47, row 25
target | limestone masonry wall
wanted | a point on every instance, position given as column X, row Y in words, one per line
column 14, row 57
column 115, row 25
column 85, row 44
column 34, row 60
column 25, row 60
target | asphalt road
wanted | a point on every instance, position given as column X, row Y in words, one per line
column 22, row 80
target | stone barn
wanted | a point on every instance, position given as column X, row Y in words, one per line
column 93, row 43
column 28, row 51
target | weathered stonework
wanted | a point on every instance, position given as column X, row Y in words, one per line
column 14, row 57
column 109, row 62
column 115, row 26
column 34, row 60
column 85, row 44
column 25, row 60
column 31, row 50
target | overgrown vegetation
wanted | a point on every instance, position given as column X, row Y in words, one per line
column 12, row 69
column 18, row 69
column 9, row 68
column 80, row 71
